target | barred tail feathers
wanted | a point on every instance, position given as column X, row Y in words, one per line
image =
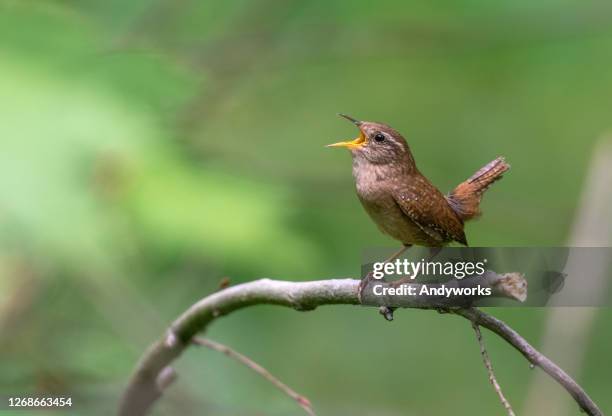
column 465, row 198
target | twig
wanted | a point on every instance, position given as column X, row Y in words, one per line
column 142, row 390
column 302, row 401
column 532, row 355
column 489, row 366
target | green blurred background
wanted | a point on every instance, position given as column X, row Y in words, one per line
column 150, row 148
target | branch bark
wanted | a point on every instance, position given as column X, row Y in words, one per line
column 144, row 389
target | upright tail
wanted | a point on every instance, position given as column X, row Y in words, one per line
column 465, row 198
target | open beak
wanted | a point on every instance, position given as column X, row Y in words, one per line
column 351, row 144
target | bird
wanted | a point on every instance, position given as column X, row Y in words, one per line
column 401, row 201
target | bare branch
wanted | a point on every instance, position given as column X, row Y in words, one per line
column 142, row 390
column 489, row 366
column 302, row 401
column 166, row 377
column 532, row 355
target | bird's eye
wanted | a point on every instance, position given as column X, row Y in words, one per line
column 379, row 137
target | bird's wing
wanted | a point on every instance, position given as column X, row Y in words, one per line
column 427, row 207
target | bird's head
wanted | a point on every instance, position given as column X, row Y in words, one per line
column 377, row 143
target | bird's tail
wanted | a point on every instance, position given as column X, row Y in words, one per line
column 465, row 198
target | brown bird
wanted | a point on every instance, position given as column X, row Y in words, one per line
column 402, row 202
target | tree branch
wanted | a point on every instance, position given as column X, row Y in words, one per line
column 302, row 401
column 532, row 355
column 489, row 367
column 143, row 388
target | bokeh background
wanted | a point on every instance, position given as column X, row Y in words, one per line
column 150, row 148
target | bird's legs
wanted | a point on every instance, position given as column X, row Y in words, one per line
column 387, row 311
column 398, row 253
column 368, row 278
column 433, row 252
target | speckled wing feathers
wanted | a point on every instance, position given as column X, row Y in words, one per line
column 428, row 208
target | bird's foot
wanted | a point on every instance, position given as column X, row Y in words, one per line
column 363, row 284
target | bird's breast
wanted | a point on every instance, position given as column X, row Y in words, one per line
column 376, row 196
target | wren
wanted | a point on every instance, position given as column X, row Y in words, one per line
column 402, row 202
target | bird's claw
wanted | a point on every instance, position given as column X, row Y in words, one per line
column 363, row 283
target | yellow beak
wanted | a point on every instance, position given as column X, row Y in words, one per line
column 351, row 144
